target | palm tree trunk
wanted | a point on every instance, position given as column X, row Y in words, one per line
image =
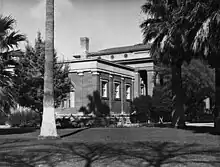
column 178, row 116
column 217, row 100
column 48, row 127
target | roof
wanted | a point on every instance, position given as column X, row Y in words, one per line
column 124, row 49
column 101, row 61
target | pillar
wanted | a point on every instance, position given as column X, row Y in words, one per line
column 110, row 93
column 81, row 80
column 132, row 89
column 137, row 85
column 150, row 82
column 122, row 95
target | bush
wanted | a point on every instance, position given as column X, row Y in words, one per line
column 141, row 107
column 24, row 119
column 161, row 104
column 3, row 118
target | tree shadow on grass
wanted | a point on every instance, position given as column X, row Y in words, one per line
column 74, row 132
column 8, row 131
column 155, row 154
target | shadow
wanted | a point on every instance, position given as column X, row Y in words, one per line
column 76, row 131
column 155, row 150
column 96, row 106
column 8, row 131
column 150, row 153
column 202, row 129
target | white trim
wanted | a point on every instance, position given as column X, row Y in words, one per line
column 101, row 70
column 95, row 73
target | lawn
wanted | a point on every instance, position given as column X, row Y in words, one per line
column 112, row 147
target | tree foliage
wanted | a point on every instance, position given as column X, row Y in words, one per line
column 9, row 40
column 198, row 84
column 141, row 107
column 164, row 26
column 30, row 80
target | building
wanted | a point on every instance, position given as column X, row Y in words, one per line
column 111, row 77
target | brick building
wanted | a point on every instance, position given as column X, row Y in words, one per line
column 113, row 77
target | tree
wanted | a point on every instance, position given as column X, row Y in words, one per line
column 48, row 126
column 9, row 40
column 164, row 26
column 198, row 84
column 205, row 18
column 29, row 80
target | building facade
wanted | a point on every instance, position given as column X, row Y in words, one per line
column 111, row 77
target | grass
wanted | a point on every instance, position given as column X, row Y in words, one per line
column 112, row 147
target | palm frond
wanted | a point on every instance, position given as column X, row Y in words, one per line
column 6, row 23
column 13, row 39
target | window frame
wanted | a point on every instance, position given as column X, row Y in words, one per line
column 119, row 91
column 130, row 96
column 101, row 88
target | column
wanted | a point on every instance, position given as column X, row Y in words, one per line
column 137, row 85
column 81, row 80
column 122, row 95
column 150, row 82
column 132, row 89
column 110, row 93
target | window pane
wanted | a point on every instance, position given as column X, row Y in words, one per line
column 117, row 90
column 72, row 99
column 128, row 92
column 104, row 89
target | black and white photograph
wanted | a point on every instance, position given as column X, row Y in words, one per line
column 109, row 83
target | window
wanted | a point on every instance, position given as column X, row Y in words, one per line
column 104, row 88
column 128, row 92
column 64, row 104
column 117, row 90
column 69, row 101
column 125, row 55
column 72, row 99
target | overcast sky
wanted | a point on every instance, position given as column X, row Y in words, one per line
column 107, row 23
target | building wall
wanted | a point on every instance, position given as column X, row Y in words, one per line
column 127, row 56
column 87, row 79
column 116, row 105
column 86, row 83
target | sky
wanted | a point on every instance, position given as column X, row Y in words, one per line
column 107, row 23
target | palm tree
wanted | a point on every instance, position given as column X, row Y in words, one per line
column 206, row 42
column 48, row 126
column 9, row 40
column 163, row 25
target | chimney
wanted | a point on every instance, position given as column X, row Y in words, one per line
column 84, row 44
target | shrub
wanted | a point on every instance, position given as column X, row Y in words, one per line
column 141, row 107
column 24, row 119
column 161, row 104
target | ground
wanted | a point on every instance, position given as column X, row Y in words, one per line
column 111, row 147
